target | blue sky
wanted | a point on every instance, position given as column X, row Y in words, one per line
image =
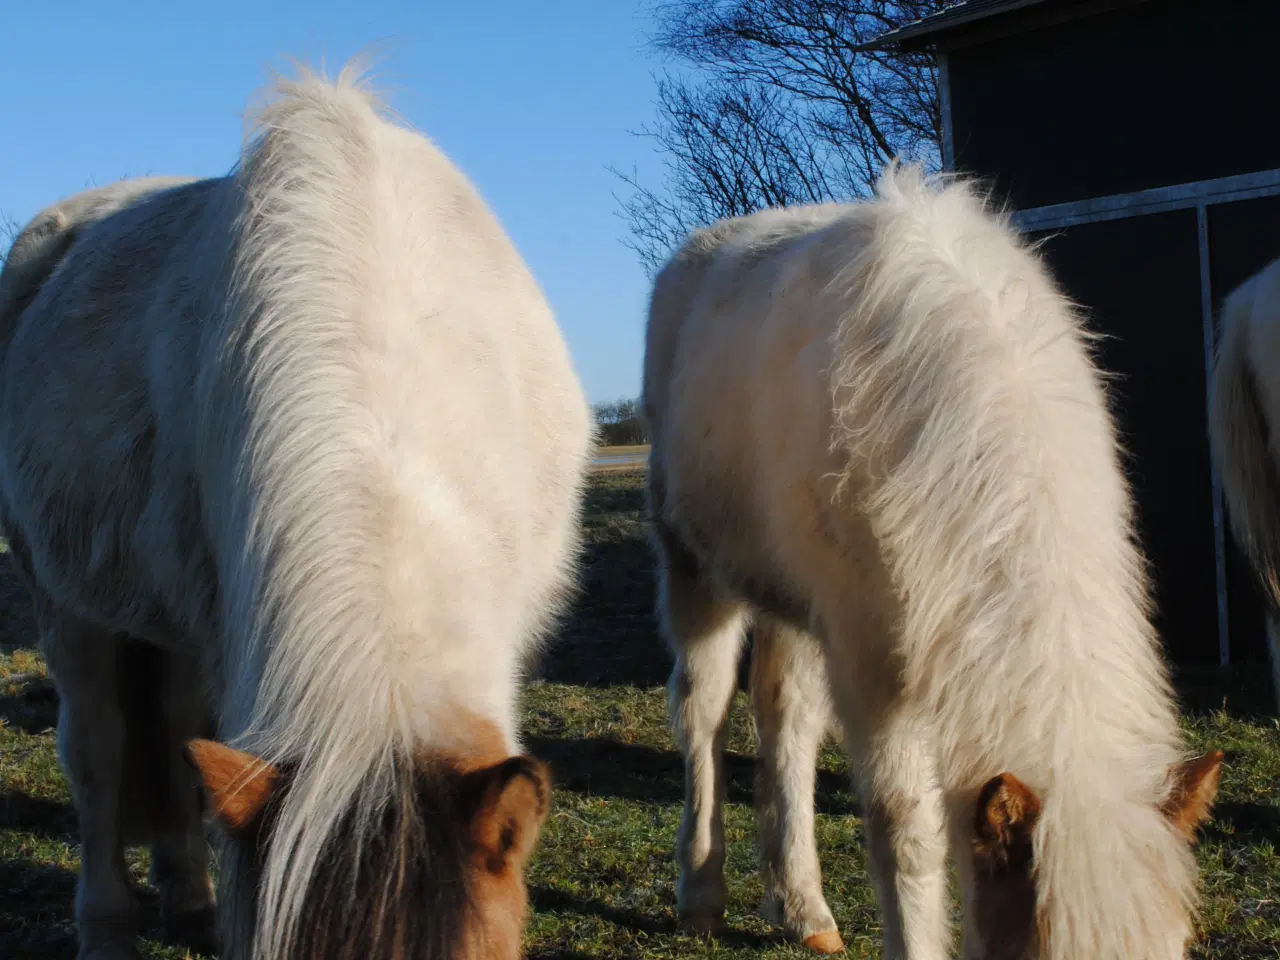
column 532, row 100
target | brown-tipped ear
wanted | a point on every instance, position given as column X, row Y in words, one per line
column 1195, row 787
column 510, row 800
column 239, row 784
column 1006, row 814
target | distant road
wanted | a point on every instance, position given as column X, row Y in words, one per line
column 620, row 458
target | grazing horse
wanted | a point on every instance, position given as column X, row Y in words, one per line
column 877, row 429
column 306, row 443
column 1244, row 411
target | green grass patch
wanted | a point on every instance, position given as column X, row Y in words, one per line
column 603, row 878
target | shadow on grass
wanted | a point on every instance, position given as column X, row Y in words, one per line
column 35, row 911
column 610, row 635
column 547, row 900
column 17, row 618
column 48, row 819
column 601, row 767
column 1250, row 823
column 32, row 708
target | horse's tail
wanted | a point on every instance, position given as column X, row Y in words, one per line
column 1240, row 438
column 35, row 254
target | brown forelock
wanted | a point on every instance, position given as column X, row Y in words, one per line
column 414, row 886
column 1004, row 870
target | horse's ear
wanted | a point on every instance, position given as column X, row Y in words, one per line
column 1195, row 787
column 1007, row 812
column 239, row 784
column 507, row 805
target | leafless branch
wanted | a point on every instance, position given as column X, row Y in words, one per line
column 774, row 107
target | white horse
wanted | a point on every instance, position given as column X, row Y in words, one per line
column 877, row 428
column 309, row 437
column 1244, row 411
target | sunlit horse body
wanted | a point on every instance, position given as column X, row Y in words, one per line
column 1243, row 423
column 307, row 441
column 877, row 430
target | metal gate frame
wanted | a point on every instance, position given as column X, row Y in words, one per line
column 1200, row 196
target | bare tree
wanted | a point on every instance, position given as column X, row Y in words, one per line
column 617, row 410
column 9, row 230
column 776, row 106
column 621, row 422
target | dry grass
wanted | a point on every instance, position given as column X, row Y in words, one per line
column 603, row 878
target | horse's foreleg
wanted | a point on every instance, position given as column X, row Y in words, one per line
column 704, row 630
column 179, row 851
column 789, row 692
column 907, row 840
column 91, row 744
column 902, row 798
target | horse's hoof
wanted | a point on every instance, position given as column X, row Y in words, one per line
column 829, row 941
column 197, row 930
column 703, row 924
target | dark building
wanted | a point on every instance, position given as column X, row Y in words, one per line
column 1142, row 139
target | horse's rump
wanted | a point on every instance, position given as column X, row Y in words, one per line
column 1244, row 409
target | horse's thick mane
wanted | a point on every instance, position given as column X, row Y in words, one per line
column 963, row 384
column 319, row 279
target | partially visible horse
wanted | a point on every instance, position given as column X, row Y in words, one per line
column 306, row 443
column 877, row 430
column 1244, row 414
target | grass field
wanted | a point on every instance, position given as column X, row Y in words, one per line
column 603, row 878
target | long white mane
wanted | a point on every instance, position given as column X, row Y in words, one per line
column 965, row 384
column 384, row 581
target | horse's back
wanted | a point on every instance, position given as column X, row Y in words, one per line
column 46, row 239
column 717, row 290
column 486, row 298
column 504, row 416
column 85, row 436
column 736, row 390
column 140, row 344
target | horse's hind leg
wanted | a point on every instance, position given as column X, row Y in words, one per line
column 704, row 629
column 789, row 692
column 91, row 745
column 162, row 700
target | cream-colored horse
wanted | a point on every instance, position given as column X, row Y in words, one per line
column 877, row 430
column 1244, row 414
column 305, row 442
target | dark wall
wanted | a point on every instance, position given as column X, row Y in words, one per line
column 1157, row 94
column 1139, row 280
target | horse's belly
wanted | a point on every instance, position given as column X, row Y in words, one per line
column 111, row 550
